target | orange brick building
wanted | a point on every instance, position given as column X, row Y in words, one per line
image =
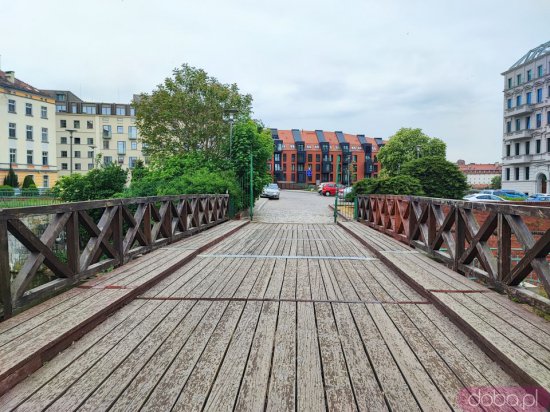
column 311, row 157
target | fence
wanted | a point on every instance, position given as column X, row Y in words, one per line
column 26, row 198
column 98, row 235
column 473, row 238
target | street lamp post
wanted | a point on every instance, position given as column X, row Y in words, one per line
column 71, row 131
column 229, row 116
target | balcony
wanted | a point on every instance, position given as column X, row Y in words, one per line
column 519, row 110
column 301, row 156
column 326, row 167
column 518, row 134
column 518, row 159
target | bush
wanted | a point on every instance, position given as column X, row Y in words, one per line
column 397, row 185
column 438, row 177
column 11, row 179
column 28, row 182
column 6, row 191
column 29, row 191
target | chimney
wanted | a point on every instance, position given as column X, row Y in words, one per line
column 10, row 76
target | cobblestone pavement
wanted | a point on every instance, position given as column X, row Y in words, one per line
column 295, row 207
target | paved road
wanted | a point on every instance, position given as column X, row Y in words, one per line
column 295, row 207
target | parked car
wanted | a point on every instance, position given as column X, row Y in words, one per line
column 271, row 191
column 489, row 191
column 538, row 197
column 329, row 189
column 483, row 197
column 510, row 193
column 344, row 191
column 321, row 185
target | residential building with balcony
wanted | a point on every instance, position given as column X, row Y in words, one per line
column 312, row 157
column 27, row 131
column 526, row 138
column 101, row 132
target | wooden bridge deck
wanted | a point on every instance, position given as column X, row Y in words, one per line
column 275, row 317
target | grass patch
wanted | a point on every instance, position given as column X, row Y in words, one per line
column 7, row 203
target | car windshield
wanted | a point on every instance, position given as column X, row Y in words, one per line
column 272, row 186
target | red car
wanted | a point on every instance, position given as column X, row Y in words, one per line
column 329, row 189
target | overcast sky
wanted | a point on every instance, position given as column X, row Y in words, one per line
column 359, row 66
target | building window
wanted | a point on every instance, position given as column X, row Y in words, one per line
column 132, row 162
column 89, row 109
column 528, row 122
column 518, row 100
column 76, row 124
column 77, row 140
column 538, row 119
column 509, row 82
column 507, row 150
column 517, row 173
column 107, row 131
column 508, row 173
column 105, row 144
column 90, row 166
column 527, row 147
column 508, row 127
column 77, row 166
column 74, row 108
column 60, row 97
column 548, row 145
column 538, row 146
column 44, row 112
column 120, row 129
column 63, row 153
column 90, row 140
column 90, row 155
column 89, row 124
column 11, row 131
column 527, row 173
column 121, row 147
column 29, row 132
column 108, row 160
column 64, row 166
column 518, row 79
column 46, row 181
column 13, row 155
column 28, row 109
column 133, row 145
column 539, row 95
column 529, row 97
column 63, row 140
column 44, row 158
column 293, row 158
column 529, row 75
column 539, row 71
column 77, row 154
column 132, row 111
column 106, row 110
column 11, row 106
column 29, row 157
column 132, row 132
column 63, row 123
column 517, row 149
column 60, row 108
column 121, row 111
column 44, row 135
column 509, row 103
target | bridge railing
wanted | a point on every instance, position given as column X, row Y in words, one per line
column 46, row 248
column 502, row 243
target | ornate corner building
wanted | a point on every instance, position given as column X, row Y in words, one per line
column 526, row 140
column 312, row 157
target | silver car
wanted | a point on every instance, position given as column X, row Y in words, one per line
column 271, row 191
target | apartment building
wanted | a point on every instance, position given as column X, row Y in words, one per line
column 312, row 157
column 526, row 141
column 479, row 175
column 27, row 131
column 89, row 133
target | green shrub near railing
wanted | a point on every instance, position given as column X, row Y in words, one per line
column 6, row 191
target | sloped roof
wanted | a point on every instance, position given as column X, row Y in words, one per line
column 532, row 54
column 19, row 85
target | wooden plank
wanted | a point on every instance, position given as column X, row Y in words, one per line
column 426, row 392
column 282, row 384
column 264, row 278
column 309, row 379
column 367, row 391
column 274, row 288
column 338, row 389
column 140, row 382
column 167, row 390
column 253, row 391
column 225, row 388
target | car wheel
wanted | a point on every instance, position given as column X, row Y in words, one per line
column 327, row 194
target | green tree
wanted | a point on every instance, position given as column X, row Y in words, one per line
column 11, row 179
column 28, row 181
column 99, row 183
column 185, row 114
column 139, row 172
column 496, row 182
column 438, row 177
column 406, row 145
column 396, row 185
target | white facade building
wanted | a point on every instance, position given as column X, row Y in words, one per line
column 526, row 140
